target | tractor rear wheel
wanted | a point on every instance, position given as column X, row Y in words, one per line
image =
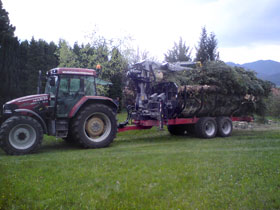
column 20, row 135
column 95, row 126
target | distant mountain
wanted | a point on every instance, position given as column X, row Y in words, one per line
column 233, row 64
column 275, row 78
column 265, row 69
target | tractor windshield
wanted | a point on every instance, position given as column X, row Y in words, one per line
column 51, row 88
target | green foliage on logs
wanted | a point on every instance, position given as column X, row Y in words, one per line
column 239, row 90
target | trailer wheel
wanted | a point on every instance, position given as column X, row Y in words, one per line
column 224, row 126
column 95, row 126
column 21, row 135
column 206, row 127
column 177, row 130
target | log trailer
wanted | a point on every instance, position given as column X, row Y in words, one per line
column 71, row 109
column 162, row 103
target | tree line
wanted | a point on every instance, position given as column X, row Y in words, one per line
column 21, row 60
column 205, row 51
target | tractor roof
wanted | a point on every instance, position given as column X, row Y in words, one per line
column 73, row 71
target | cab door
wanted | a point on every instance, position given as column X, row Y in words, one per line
column 71, row 90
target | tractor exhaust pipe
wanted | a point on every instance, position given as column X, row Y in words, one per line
column 39, row 87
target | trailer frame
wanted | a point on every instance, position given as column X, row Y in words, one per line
column 148, row 124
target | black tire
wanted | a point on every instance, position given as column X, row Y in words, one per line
column 95, row 126
column 206, row 127
column 224, row 125
column 177, row 130
column 20, row 135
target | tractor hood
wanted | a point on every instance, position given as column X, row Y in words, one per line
column 26, row 102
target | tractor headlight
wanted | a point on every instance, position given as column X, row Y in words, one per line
column 6, row 109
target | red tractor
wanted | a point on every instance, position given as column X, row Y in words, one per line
column 69, row 109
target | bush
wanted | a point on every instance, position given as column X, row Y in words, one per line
column 273, row 103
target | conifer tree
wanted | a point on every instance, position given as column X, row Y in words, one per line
column 201, row 50
column 6, row 29
column 212, row 44
column 8, row 62
column 179, row 52
column 207, row 47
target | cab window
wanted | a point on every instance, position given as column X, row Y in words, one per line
column 75, row 85
column 69, row 86
column 89, row 86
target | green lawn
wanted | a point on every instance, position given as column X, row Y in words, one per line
column 147, row 170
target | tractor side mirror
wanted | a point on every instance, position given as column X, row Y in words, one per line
column 52, row 81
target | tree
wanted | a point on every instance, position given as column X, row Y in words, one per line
column 8, row 60
column 117, row 65
column 88, row 56
column 212, row 44
column 207, row 47
column 201, row 51
column 273, row 103
column 8, row 68
column 67, row 58
column 137, row 55
column 20, row 61
column 34, row 56
column 179, row 52
column 6, row 29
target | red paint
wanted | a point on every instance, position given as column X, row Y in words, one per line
column 147, row 124
column 76, row 71
column 178, row 121
column 85, row 99
column 29, row 102
column 246, row 119
column 134, row 127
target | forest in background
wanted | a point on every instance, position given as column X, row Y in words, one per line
column 20, row 61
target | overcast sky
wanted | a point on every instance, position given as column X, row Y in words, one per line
column 247, row 30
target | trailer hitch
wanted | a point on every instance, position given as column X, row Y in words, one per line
column 128, row 118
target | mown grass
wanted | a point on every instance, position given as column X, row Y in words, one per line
column 147, row 170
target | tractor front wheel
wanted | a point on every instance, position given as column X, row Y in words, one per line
column 95, row 126
column 20, row 135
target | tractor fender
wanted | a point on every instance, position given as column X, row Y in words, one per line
column 92, row 99
column 37, row 116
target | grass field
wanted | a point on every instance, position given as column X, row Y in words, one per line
column 147, row 170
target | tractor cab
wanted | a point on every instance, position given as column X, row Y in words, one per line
column 66, row 86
